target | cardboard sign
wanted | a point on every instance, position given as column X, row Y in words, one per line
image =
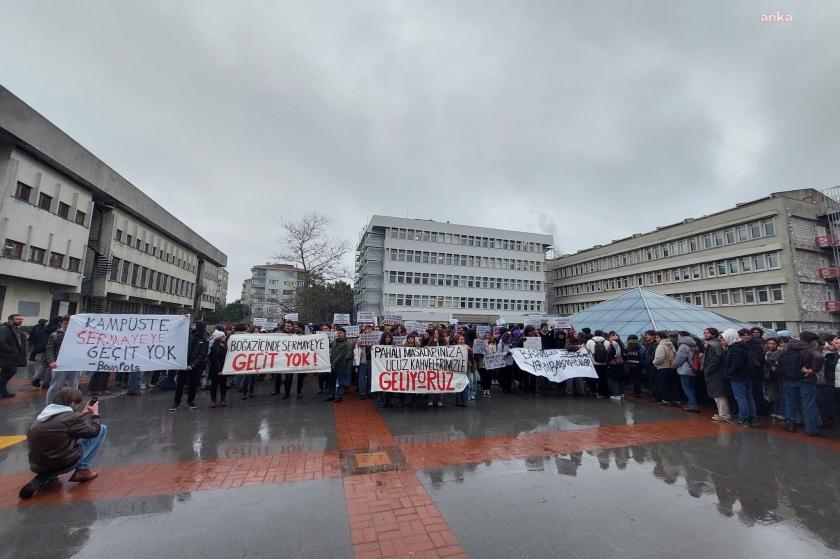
column 259, row 321
column 391, row 319
column 341, row 318
column 494, row 361
column 364, row 317
column 556, row 365
column 124, row 343
column 480, row 346
column 533, row 343
column 534, row 320
column 291, row 317
column 400, row 340
column 368, row 340
column 562, row 323
column 419, row 370
column 414, row 326
column 270, row 325
column 352, row 331
column 481, row 330
column 251, row 354
column 501, row 322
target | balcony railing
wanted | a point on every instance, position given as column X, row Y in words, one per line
column 829, row 273
column 825, row 241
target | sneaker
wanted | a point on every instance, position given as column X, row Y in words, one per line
column 789, row 428
column 717, row 417
column 37, row 384
column 778, row 416
column 692, row 410
column 754, row 422
column 173, row 408
column 28, row 490
column 222, row 404
column 615, row 397
column 275, row 393
column 472, row 397
column 106, row 392
column 337, row 400
column 440, row 404
column 192, row 407
column 285, row 397
column 329, row 399
column 300, row 396
column 741, row 422
column 430, row 405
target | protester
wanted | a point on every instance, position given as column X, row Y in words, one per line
column 739, row 373
column 663, row 360
column 799, row 364
column 339, row 352
column 506, row 374
column 615, row 366
column 770, row 384
column 635, row 359
column 486, row 376
column 714, row 372
column 37, row 346
column 216, row 358
column 687, row 352
column 60, row 379
column 462, row 398
column 650, row 346
column 61, row 439
column 196, row 358
column 12, row 352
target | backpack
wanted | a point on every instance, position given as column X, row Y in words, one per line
column 788, row 365
column 600, row 355
column 696, row 363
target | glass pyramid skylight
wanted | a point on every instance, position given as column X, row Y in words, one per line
column 638, row 310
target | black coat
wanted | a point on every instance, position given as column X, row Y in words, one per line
column 197, row 350
column 737, row 362
column 12, row 346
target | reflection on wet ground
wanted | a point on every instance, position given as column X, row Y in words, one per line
column 744, row 494
column 515, row 476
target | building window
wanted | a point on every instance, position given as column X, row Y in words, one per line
column 758, row 261
column 37, row 255
column 730, row 235
column 44, row 201
column 746, row 264
column 724, row 297
column 12, row 249
column 769, row 227
column 707, row 241
column 80, row 217
column 698, row 299
column 749, row 296
column 777, row 293
column 755, row 230
column 126, row 269
column 736, row 296
column 743, row 234
column 115, row 268
column 773, row 260
column 23, row 192
column 63, row 210
column 74, row 264
column 56, row 260
column 761, row 294
column 713, row 298
column 718, row 238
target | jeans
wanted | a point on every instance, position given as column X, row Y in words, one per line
column 797, row 392
column 90, row 448
column 364, row 378
column 340, row 379
column 472, row 388
column 60, row 379
column 687, row 382
column 742, row 390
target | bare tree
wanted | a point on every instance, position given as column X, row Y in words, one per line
column 307, row 244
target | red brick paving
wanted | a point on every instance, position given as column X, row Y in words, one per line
column 359, row 425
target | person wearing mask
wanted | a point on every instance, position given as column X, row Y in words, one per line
column 686, row 353
column 615, row 366
column 652, row 372
column 37, row 345
column 799, row 364
column 338, row 363
column 635, row 358
column 601, row 352
column 60, row 379
column 12, row 352
column 486, row 376
column 740, row 374
column 714, row 373
column 196, row 358
column 663, row 360
column 61, row 439
column 218, row 383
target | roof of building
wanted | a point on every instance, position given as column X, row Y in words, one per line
column 27, row 129
column 639, row 309
column 278, row 267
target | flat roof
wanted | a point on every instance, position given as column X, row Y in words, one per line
column 386, row 220
column 24, row 127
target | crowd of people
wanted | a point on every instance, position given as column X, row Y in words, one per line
column 742, row 373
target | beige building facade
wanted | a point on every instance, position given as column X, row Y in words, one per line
column 767, row 262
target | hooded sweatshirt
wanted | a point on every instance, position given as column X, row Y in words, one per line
column 54, row 438
column 685, row 353
column 664, row 356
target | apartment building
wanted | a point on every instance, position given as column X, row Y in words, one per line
column 428, row 270
column 78, row 237
column 271, row 289
column 770, row 261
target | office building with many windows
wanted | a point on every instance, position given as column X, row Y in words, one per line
column 428, row 270
column 78, row 237
column 765, row 262
column 271, row 290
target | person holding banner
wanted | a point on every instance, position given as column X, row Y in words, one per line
column 484, row 375
column 462, row 398
column 506, row 374
column 60, row 379
column 364, row 366
column 191, row 376
column 217, row 362
column 341, row 349
column 383, row 399
column 438, row 339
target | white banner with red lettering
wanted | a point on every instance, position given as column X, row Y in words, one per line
column 419, row 370
column 556, row 365
column 251, row 354
column 124, row 343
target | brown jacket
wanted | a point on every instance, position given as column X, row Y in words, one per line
column 53, row 438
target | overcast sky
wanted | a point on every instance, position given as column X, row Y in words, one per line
column 586, row 120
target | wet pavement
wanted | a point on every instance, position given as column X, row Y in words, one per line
column 514, row 476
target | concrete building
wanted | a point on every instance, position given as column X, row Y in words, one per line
column 427, row 270
column 271, row 289
column 769, row 261
column 78, row 237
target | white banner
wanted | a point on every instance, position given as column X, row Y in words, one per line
column 124, row 343
column 364, row 317
column 534, row 320
column 414, row 326
column 556, row 365
column 534, row 343
column 260, row 321
column 501, row 322
column 494, row 361
column 277, row 353
column 417, row 370
column 562, row 323
column 270, row 326
column 341, row 318
column 291, row 317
